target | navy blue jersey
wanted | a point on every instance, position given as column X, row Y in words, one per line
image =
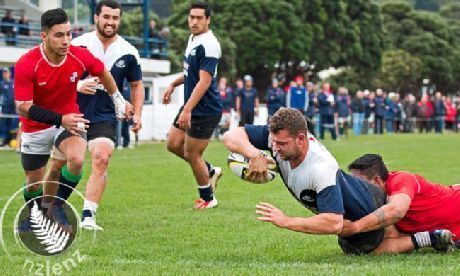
column 318, row 183
column 248, row 99
column 202, row 53
column 123, row 62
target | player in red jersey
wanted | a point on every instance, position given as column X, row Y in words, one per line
column 414, row 203
column 45, row 90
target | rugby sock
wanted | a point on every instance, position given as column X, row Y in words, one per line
column 210, row 167
column 206, row 192
column 422, row 239
column 30, row 195
column 89, row 208
column 66, row 178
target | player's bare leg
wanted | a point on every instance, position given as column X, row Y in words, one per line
column 100, row 151
column 396, row 242
column 176, row 145
column 50, row 187
column 73, row 148
column 194, row 149
column 176, row 142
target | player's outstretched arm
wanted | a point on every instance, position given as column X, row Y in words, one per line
column 237, row 140
column 388, row 214
column 322, row 224
column 73, row 122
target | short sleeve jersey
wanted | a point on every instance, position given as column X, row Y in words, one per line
column 52, row 86
column 122, row 60
column 318, row 183
column 433, row 206
column 202, row 53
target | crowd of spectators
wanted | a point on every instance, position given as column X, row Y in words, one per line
column 327, row 111
column 9, row 120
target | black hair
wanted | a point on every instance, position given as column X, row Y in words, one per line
column 201, row 5
column 108, row 3
column 53, row 17
column 370, row 165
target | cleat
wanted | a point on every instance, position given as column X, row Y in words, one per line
column 201, row 204
column 89, row 223
column 57, row 213
column 215, row 177
column 24, row 227
column 443, row 240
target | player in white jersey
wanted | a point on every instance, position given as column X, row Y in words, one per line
column 123, row 61
column 314, row 178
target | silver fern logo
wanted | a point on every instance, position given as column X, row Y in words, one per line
column 49, row 233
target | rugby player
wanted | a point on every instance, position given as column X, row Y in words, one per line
column 45, row 94
column 414, row 203
column 123, row 61
column 202, row 110
column 313, row 177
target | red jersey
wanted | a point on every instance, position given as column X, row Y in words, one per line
column 51, row 86
column 433, row 206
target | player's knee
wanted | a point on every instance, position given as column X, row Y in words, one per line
column 191, row 155
column 75, row 162
column 101, row 161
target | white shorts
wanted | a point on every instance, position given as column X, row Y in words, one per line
column 40, row 142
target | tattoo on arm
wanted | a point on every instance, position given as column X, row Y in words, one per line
column 380, row 214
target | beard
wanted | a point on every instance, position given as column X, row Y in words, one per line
column 100, row 30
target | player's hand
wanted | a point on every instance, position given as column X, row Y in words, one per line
column 258, row 171
column 348, row 228
column 137, row 123
column 185, row 119
column 167, row 94
column 74, row 123
column 270, row 213
column 88, row 86
column 129, row 110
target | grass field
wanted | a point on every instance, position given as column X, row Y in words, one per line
column 150, row 228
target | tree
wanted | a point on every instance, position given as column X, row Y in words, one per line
column 400, row 72
column 292, row 37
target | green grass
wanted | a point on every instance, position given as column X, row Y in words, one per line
column 151, row 229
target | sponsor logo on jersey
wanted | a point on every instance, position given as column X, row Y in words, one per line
column 120, row 64
column 74, row 76
column 42, row 83
column 193, row 52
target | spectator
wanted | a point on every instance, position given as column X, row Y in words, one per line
column 369, row 112
column 228, row 101
column 439, row 112
column 392, row 111
column 297, row 96
column 275, row 98
column 8, row 28
column 326, row 103
column 153, row 32
column 410, row 110
column 424, row 114
column 311, row 111
column 23, row 28
column 343, row 110
column 451, row 115
column 8, row 116
column 247, row 102
column 358, row 110
column 400, row 115
column 379, row 111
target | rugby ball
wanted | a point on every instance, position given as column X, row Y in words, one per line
column 239, row 165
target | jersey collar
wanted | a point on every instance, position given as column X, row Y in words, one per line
column 42, row 51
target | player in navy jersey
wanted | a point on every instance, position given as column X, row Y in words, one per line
column 313, row 177
column 123, row 61
column 202, row 109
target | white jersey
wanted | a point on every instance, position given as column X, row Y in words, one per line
column 318, row 183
